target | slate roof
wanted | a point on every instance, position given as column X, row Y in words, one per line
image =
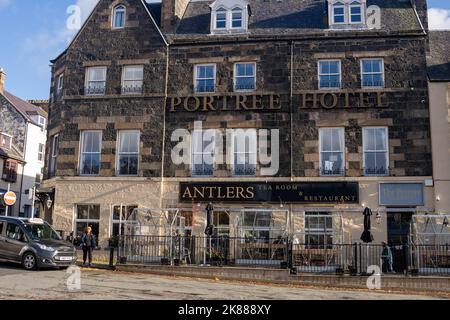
column 438, row 59
column 25, row 108
column 11, row 154
column 292, row 17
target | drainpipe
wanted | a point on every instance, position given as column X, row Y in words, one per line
column 291, row 107
column 163, row 157
column 23, row 166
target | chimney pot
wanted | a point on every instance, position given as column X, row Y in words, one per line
column 2, row 80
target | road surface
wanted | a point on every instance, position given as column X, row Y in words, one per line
column 16, row 283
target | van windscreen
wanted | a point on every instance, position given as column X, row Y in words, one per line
column 41, row 231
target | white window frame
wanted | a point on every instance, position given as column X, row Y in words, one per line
column 235, row 78
column 196, row 77
column 335, row 6
column 319, row 74
column 88, row 220
column 324, row 232
column 321, row 152
column 372, row 73
column 42, row 122
column 2, row 134
column 120, row 222
column 224, row 11
column 202, row 153
column 355, row 4
column 124, row 80
column 82, row 153
column 41, row 152
column 54, row 154
column 254, row 149
column 119, row 153
column 87, row 81
column 375, row 151
column 228, row 9
column 116, row 9
column 60, row 84
column 232, row 19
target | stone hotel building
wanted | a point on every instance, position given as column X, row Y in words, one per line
column 318, row 109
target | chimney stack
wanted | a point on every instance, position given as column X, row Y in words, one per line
column 171, row 13
column 422, row 11
column 2, row 80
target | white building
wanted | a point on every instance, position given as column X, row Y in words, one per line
column 22, row 145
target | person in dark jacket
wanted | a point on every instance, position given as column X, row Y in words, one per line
column 88, row 244
column 386, row 256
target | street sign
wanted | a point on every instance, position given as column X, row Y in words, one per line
column 10, row 198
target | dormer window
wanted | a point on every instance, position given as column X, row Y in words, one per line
column 221, row 18
column 355, row 12
column 339, row 13
column 347, row 14
column 229, row 16
column 119, row 17
column 236, row 18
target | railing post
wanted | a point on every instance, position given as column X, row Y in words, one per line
column 111, row 258
column 406, row 253
column 355, row 259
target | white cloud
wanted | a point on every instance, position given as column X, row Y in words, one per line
column 439, row 19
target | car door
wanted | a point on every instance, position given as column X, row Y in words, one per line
column 14, row 241
column 2, row 239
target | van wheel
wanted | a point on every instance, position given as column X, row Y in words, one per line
column 29, row 261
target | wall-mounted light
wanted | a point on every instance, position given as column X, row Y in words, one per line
column 378, row 218
column 438, row 198
column 49, row 203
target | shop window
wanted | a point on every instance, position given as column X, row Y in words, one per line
column 329, row 74
column 128, row 157
column 331, row 141
column 203, row 148
column 221, row 222
column 318, row 230
column 375, row 145
column 244, row 146
column 132, row 79
column 95, row 81
column 119, row 14
column 120, row 215
column 244, row 76
column 87, row 216
column 205, row 78
column 257, row 225
column 53, row 154
column 9, row 173
column 91, row 142
column 372, row 73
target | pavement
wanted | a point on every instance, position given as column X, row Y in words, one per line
column 96, row 284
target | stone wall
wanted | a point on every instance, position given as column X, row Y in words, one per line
column 12, row 123
column 98, row 45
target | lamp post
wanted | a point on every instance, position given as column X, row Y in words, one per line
column 209, row 229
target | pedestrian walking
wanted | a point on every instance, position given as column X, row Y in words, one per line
column 386, row 257
column 88, row 244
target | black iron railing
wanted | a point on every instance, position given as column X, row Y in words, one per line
column 281, row 252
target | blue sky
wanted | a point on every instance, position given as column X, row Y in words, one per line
column 34, row 31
